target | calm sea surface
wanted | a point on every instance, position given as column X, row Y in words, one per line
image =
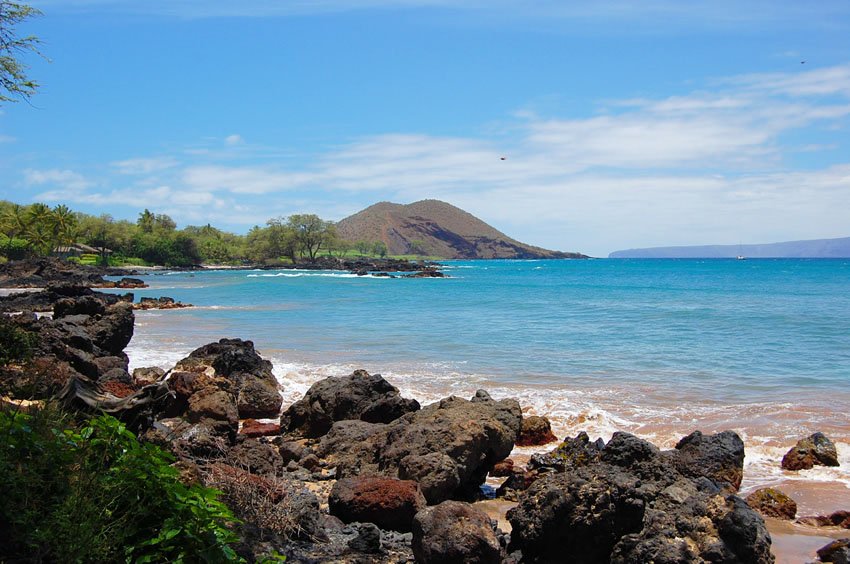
column 655, row 347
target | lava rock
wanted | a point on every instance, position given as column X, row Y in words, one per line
column 535, row 431
column 814, row 450
column 389, row 503
column 838, row 551
column 360, row 395
column 771, row 502
column 839, row 519
column 254, row 429
column 454, row 532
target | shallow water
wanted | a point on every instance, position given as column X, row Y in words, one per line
column 658, row 348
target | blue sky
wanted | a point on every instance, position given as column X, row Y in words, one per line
column 623, row 124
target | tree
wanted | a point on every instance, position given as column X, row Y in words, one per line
column 379, row 249
column 311, row 233
column 63, row 222
column 146, row 221
column 14, row 82
column 14, row 222
column 363, row 247
column 416, row 246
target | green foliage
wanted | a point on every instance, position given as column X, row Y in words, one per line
column 93, row 493
column 16, row 344
column 14, row 82
column 14, row 248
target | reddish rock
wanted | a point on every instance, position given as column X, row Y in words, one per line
column 535, row 431
column 254, row 429
column 118, row 389
column 771, row 502
column 386, row 502
column 838, row 519
column 814, row 450
column 503, row 469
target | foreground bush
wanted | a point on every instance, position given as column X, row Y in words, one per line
column 93, row 493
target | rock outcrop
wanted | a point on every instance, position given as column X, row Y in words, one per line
column 536, row 431
column 389, row 503
column 636, row 503
column 814, row 450
column 454, row 532
column 448, row 447
column 363, row 396
column 771, row 502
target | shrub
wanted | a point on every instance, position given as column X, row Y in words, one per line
column 91, row 492
column 16, row 344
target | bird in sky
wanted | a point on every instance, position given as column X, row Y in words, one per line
column 503, row 158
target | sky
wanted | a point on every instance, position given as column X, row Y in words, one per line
column 621, row 124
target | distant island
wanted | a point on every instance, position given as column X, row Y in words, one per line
column 815, row 248
column 438, row 229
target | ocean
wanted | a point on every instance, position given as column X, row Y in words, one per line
column 658, row 348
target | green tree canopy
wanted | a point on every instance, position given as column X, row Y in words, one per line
column 14, row 82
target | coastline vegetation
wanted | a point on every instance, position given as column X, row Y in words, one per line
column 89, row 491
column 37, row 230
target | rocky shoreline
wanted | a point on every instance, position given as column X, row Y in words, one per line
column 354, row 472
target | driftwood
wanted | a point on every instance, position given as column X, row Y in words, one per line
column 83, row 393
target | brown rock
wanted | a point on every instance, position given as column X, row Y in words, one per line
column 814, row 450
column 211, row 403
column 837, row 551
column 838, row 519
column 771, row 502
column 386, row 502
column 118, row 389
column 503, row 469
column 455, row 532
column 535, row 431
column 254, row 429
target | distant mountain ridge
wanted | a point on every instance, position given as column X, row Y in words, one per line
column 814, row 248
column 436, row 228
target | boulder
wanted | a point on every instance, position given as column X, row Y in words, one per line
column 771, row 502
column 503, row 469
column 719, row 457
column 258, row 398
column 839, row 519
column 256, row 457
column 571, row 453
column 634, row 503
column 448, row 447
column 149, row 375
column 838, row 551
column 254, row 429
column 535, row 431
column 211, row 403
column 387, row 502
column 234, row 365
column 114, row 329
column 361, row 395
column 454, row 532
column 814, row 450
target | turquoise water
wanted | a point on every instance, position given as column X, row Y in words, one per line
column 722, row 327
column 655, row 347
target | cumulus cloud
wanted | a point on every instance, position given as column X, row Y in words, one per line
column 714, row 166
column 67, row 179
column 233, row 140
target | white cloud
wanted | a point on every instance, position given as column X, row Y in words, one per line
column 6, row 138
column 145, row 165
column 233, row 140
column 67, row 179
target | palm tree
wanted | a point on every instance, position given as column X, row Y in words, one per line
column 15, row 222
column 64, row 223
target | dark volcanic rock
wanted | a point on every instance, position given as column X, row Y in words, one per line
column 812, row 451
column 361, row 395
column 235, row 365
column 503, row 469
column 454, row 532
column 838, row 551
column 719, row 457
column 535, row 431
column 636, row 504
column 386, row 502
column 256, row 457
column 448, row 447
column 148, row 375
column 571, row 453
column 771, row 502
column 38, row 273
